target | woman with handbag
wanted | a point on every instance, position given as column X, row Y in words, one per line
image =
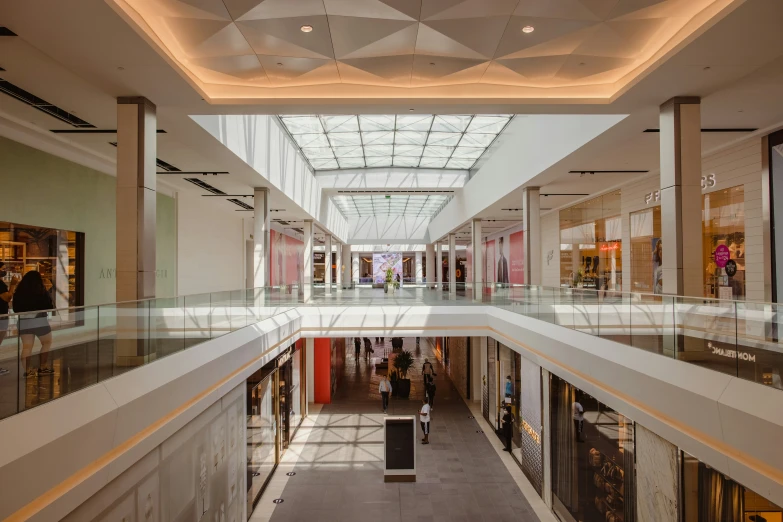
column 31, row 296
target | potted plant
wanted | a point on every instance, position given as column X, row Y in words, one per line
column 402, row 363
column 390, row 283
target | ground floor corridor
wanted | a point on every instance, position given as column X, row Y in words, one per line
column 333, row 470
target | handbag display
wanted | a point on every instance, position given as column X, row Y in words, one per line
column 595, row 458
column 599, row 481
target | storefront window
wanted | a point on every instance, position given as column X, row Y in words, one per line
column 710, row 495
column 723, row 223
column 591, row 244
column 646, row 251
column 56, row 254
column 261, row 438
column 592, row 458
column 365, row 269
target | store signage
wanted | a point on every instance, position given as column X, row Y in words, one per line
column 530, row 431
column 613, row 246
column 707, row 181
column 731, row 268
column 111, row 273
column 283, row 359
column 318, row 257
column 731, row 354
column 721, row 255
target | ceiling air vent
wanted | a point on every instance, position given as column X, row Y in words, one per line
column 205, row 186
column 242, row 204
column 168, row 167
column 42, row 105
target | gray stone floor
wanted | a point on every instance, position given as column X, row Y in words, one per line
column 339, row 473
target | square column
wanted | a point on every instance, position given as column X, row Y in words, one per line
column 261, row 237
column 452, row 263
column 681, row 201
column 531, row 227
column 328, row 264
column 345, row 268
column 338, row 275
column 418, row 269
column 135, row 227
column 438, row 265
column 355, row 267
column 136, row 198
column 478, row 259
column 306, row 292
column 430, row 260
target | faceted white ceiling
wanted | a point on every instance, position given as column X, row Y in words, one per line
column 451, row 48
column 420, row 140
column 389, row 205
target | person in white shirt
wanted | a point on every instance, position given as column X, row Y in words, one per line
column 579, row 417
column 424, row 418
column 385, row 388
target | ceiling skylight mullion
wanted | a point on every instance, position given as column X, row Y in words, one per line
column 427, row 140
column 460, row 140
column 361, row 140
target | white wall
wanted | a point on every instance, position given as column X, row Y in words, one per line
column 211, row 248
column 528, row 146
column 550, row 245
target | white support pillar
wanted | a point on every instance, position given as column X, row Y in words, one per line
column 419, row 270
column 355, row 264
column 261, row 237
column 135, row 224
column 345, row 268
column 478, row 259
column 136, row 198
column 681, row 200
column 452, row 263
column 531, row 227
column 328, row 264
column 438, row 266
column 307, row 265
column 430, row 260
column 338, row 270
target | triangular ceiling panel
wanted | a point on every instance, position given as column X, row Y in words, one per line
column 638, row 33
column 536, row 67
column 410, row 8
column 386, row 67
column 629, row 6
column 267, row 9
column 479, row 34
column 184, row 9
column 477, row 9
column 430, row 8
column 401, row 42
column 282, row 36
column 431, row 42
column 366, row 9
column 565, row 9
column 547, row 29
column 606, row 42
column 203, row 38
column 558, row 46
column 579, row 66
column 351, row 34
column 600, row 8
column 284, row 70
column 431, row 68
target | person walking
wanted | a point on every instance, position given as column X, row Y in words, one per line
column 357, row 348
column 508, row 427
column 367, row 348
column 424, row 419
column 385, row 388
column 430, row 391
column 427, row 371
column 31, row 296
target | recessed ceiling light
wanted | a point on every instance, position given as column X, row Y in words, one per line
column 707, row 68
column 528, row 29
column 120, row 68
column 279, row 64
column 410, row 110
column 432, row 63
column 306, row 28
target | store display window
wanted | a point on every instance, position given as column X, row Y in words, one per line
column 723, row 225
column 591, row 244
column 57, row 254
column 710, row 495
column 592, row 451
column 646, row 251
column 365, row 270
column 262, row 452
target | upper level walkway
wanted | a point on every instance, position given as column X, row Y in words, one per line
column 92, row 344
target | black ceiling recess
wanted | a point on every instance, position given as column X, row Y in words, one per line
column 205, row 186
column 42, row 105
column 4, row 31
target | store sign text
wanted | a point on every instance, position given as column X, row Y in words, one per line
column 530, row 431
column 731, row 354
column 614, row 246
column 707, row 181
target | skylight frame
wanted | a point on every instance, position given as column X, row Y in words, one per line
column 412, row 158
column 373, row 205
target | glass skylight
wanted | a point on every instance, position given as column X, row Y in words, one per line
column 388, row 140
column 394, row 205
